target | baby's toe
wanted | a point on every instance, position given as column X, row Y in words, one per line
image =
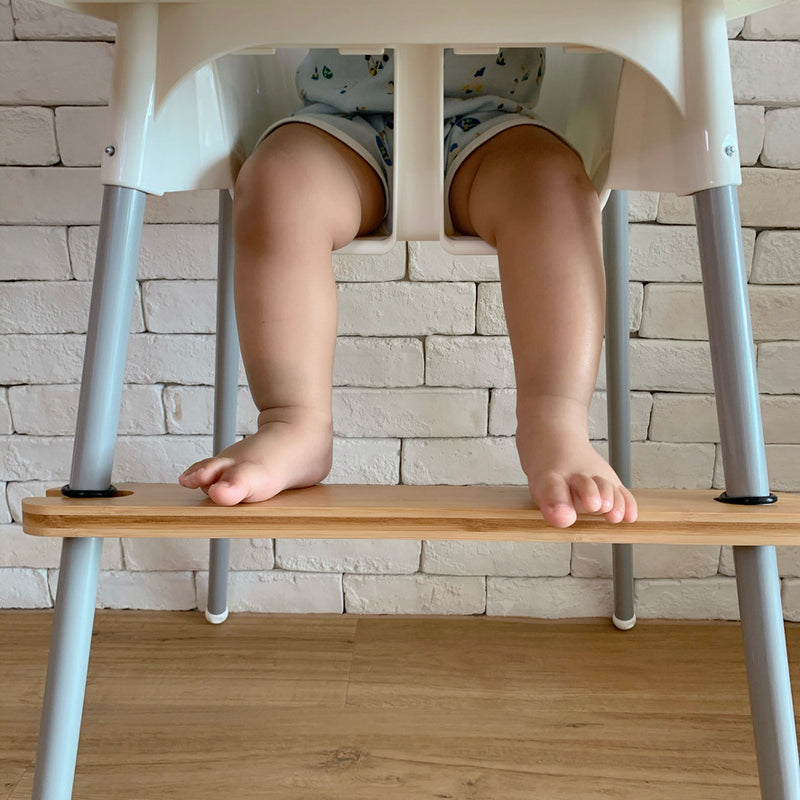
column 552, row 495
column 242, row 483
column 202, row 474
column 586, row 493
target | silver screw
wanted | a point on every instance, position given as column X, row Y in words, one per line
column 110, row 150
column 730, row 150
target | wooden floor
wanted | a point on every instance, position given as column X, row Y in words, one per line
column 391, row 708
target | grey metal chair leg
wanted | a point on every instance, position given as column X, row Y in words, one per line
column 226, row 385
column 93, row 456
column 746, row 481
column 618, row 391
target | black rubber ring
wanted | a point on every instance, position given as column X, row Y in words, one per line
column 747, row 501
column 67, row 492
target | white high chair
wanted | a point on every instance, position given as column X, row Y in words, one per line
column 642, row 89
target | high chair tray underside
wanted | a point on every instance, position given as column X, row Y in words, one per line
column 505, row 513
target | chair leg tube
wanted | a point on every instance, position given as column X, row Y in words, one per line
column 618, row 391
column 92, row 462
column 226, row 385
column 66, row 669
column 746, row 481
column 107, row 339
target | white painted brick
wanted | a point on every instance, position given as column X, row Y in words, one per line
column 18, row 549
column 390, row 266
column 52, row 307
column 405, row 308
column 649, row 561
column 82, row 134
column 193, row 554
column 726, row 561
column 768, row 198
column 414, row 412
column 684, row 418
column 775, row 312
column 6, row 21
column 25, row 458
column 735, row 27
column 783, row 466
column 468, row 361
column 428, row 261
column 674, row 311
column 549, row 598
column 777, row 257
column 41, row 359
column 152, row 591
column 461, row 461
column 201, row 205
column 167, row 252
column 38, row 20
column 790, row 593
column 55, row 73
column 414, row 594
column 642, row 206
column 190, row 410
column 180, row 306
column 781, row 419
column 707, row 598
column 378, row 362
column 279, row 592
column 19, row 489
column 157, row 459
column 5, row 514
column 33, row 253
column 6, row 425
column 531, row 559
column 788, row 561
column 365, row 461
column 24, row 588
column 778, row 367
column 157, row 358
column 780, row 22
column 393, row 557
column 670, row 253
column 49, row 195
column 52, row 410
column 670, row 366
column 490, row 318
column 765, row 73
column 664, row 465
column 503, row 422
column 750, row 133
column 782, row 138
column 27, row 136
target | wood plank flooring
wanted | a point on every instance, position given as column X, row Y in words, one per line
column 394, row 708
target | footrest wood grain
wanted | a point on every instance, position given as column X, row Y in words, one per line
column 669, row 516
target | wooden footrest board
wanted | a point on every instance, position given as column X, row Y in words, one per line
column 506, row 513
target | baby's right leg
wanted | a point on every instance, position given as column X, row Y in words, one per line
column 301, row 195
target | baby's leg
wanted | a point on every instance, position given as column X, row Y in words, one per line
column 526, row 193
column 300, row 196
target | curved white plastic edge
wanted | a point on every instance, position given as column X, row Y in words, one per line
column 216, row 619
column 624, row 624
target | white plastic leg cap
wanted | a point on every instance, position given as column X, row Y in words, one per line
column 624, row 624
column 217, row 619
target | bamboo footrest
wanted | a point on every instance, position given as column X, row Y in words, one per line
column 668, row 516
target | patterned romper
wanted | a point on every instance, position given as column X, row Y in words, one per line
column 351, row 98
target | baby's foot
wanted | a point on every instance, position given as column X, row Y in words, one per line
column 291, row 449
column 567, row 476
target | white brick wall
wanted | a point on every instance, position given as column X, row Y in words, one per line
column 423, row 374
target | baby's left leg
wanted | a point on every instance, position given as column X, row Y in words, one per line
column 526, row 193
